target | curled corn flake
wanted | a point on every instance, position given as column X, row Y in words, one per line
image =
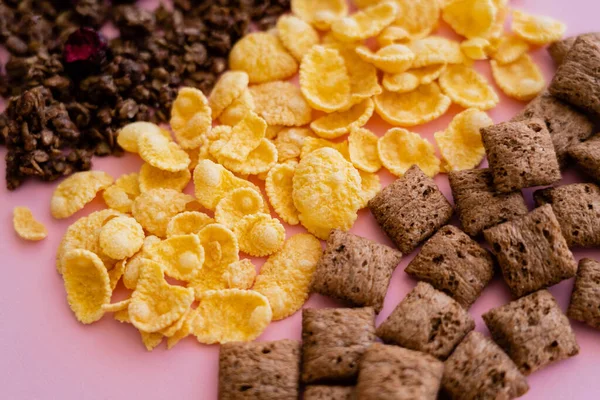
column 259, row 235
column 263, row 57
column 122, row 193
column 413, row 78
column 237, row 204
column 155, row 304
column 321, row 13
column 497, row 29
column 115, row 274
column 231, row 315
column 155, row 208
column 172, row 329
column 370, row 186
column 536, row 29
column 194, row 155
column 366, row 23
column 418, row 17
column 230, row 86
column 188, row 222
column 184, row 331
column 460, row 144
column 212, row 182
column 161, row 153
column 436, row 50
column 118, row 306
column 392, row 59
column 400, row 149
column 285, row 277
column 339, row 123
column 72, row 194
column 190, row 117
column 260, row 160
column 151, row 340
column 279, row 188
column 470, row 18
column 362, row 146
column 476, row 48
column 26, row 225
column 393, row 35
column 153, row 178
column 240, row 275
column 297, row 36
column 87, row 285
column 180, row 256
column 238, row 109
column 422, row 105
column 273, row 131
column 121, row 237
column 131, row 273
column 509, row 49
column 468, row 88
column 324, row 79
column 128, row 135
column 363, row 76
column 311, row 144
column 281, row 103
column 245, row 136
column 326, row 192
column 289, row 142
column 521, row 79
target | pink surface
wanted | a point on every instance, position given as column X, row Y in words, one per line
column 45, row 353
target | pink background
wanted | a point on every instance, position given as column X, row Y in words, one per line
column 45, row 353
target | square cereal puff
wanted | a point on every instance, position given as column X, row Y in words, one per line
column 532, row 252
column 324, row 392
column 259, row 370
column 392, row 373
column 333, row 341
column 411, row 209
column 586, row 156
column 567, row 125
column 576, row 80
column 558, row 50
column 577, row 209
column 479, row 369
column 355, row 269
column 520, row 154
column 479, row 205
column 533, row 331
column 455, row 264
column 427, row 320
column 585, row 299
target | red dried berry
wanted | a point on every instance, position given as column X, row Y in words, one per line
column 85, row 51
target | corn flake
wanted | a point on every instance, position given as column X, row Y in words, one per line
column 115, row 307
column 184, row 331
column 393, row 59
column 175, row 327
column 436, row 50
column 366, row 23
column 470, row 18
column 362, row 146
column 259, row 235
column 260, row 160
column 413, row 78
column 121, row 237
column 297, row 36
column 155, row 208
column 237, row 143
column 181, row 256
column 536, row 29
column 153, row 178
column 311, row 144
column 131, row 273
column 418, row 17
column 370, row 186
column 468, row 88
column 26, row 226
column 321, row 13
column 161, row 153
column 115, row 274
column 393, row 35
column 289, row 143
column 476, row 48
column 273, row 131
column 128, row 135
column 281, row 103
column 521, row 79
column 509, row 49
column 237, row 204
column 363, row 76
column 122, row 193
column 240, row 275
column 422, row 105
column 151, row 340
column 279, row 188
column 241, row 106
column 72, row 194
column 230, row 86
column 188, row 222
column 212, row 182
column 191, row 117
column 400, row 149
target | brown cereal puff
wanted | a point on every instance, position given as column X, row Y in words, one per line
column 323, row 392
column 478, row 204
column 355, row 269
column 333, row 342
column 576, row 80
column 455, row 264
column 558, row 50
column 577, row 209
column 411, row 209
column 520, row 154
column 393, row 373
column 259, row 370
column 585, row 299
column 427, row 320
column 586, row 156
column 479, row 369
column 532, row 252
column 567, row 125
column 533, row 331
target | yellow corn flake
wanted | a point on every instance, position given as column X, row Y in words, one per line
column 26, row 226
column 115, row 307
column 362, row 146
column 128, row 135
column 87, row 285
column 181, row 256
column 460, row 144
column 230, row 86
column 263, row 57
column 413, row 78
column 297, row 36
column 326, row 192
column 321, row 13
column 285, row 277
column 245, row 136
column 521, row 79
column 289, row 142
column 497, row 29
column 324, row 79
column 260, row 160
column 509, row 49
column 476, row 48
column 240, row 275
column 279, row 188
column 363, row 76
column 273, row 131
column 175, row 327
column 366, row 23
column 400, row 149
column 161, row 153
column 155, row 208
column 121, row 237
column 151, row 340
column 184, row 331
column 370, row 186
column 365, row 3
column 468, row 88
column 281, row 103
column 393, row 59
column 155, row 304
column 153, row 178
column 241, row 106
column 339, row 123
column 418, row 17
column 133, row 265
column 470, row 18
column 194, row 155
column 422, row 105
column 122, row 193
column 115, row 274
column 237, row 204
column 72, row 194
column 212, row 182
column 190, row 117
column 393, row 35
column 311, row 144
column 259, row 235
column 537, row 29
column 434, row 50
column 188, row 222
